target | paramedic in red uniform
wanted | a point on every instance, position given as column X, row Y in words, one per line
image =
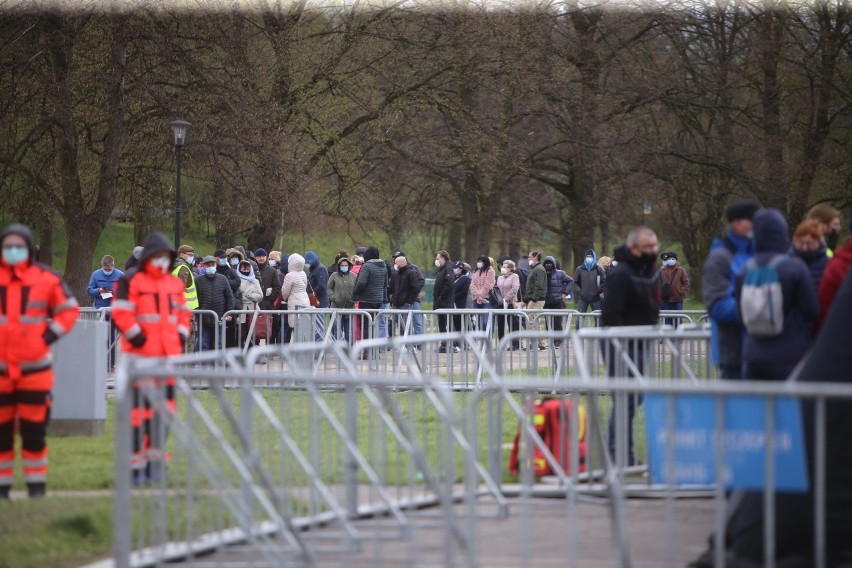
column 150, row 311
column 36, row 309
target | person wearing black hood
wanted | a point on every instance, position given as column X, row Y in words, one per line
column 371, row 285
column 232, row 334
column 151, row 312
column 774, row 357
column 38, row 308
column 632, row 298
column 133, row 260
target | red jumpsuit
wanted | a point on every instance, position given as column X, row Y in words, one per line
column 150, row 311
column 36, row 308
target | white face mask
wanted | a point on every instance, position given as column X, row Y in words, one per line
column 162, row 264
column 437, row 263
column 107, row 272
column 503, row 270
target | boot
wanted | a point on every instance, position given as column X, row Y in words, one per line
column 4, row 491
column 36, row 490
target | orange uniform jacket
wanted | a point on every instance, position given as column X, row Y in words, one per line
column 36, row 308
column 152, row 305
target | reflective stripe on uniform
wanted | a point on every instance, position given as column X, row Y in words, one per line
column 34, row 463
column 148, row 317
column 183, row 330
column 37, row 304
column 35, row 477
column 189, row 292
column 30, row 320
column 124, row 304
column 56, row 328
column 2, row 320
column 133, row 331
column 68, row 304
column 39, row 365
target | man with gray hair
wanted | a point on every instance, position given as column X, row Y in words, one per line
column 102, row 282
column 632, row 298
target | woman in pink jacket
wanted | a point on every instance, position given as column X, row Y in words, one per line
column 481, row 283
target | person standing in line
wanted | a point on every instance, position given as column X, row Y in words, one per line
column 214, row 294
column 510, row 287
column 223, row 267
column 589, row 284
column 151, row 313
column 774, row 357
column 829, row 218
column 809, row 246
column 294, row 290
column 674, row 285
column 560, row 288
column 270, row 283
column 340, row 285
column 443, row 294
column 461, row 292
column 371, row 286
column 36, row 309
column 250, row 294
column 833, row 276
column 728, row 255
column 481, row 283
column 536, row 294
column 182, row 268
column 632, row 299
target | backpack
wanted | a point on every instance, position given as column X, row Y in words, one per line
column 761, row 299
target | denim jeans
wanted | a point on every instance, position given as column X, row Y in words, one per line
column 671, row 306
column 583, row 306
column 483, row 320
column 418, row 318
column 383, row 322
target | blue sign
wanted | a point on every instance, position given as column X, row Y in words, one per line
column 743, row 435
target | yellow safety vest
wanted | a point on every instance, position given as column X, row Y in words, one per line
column 189, row 293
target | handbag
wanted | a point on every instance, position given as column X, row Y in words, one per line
column 496, row 297
column 263, row 327
column 312, row 298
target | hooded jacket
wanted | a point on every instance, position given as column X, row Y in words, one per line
column 801, row 308
column 632, row 292
column 294, row 290
column 340, row 287
column 727, row 257
column 558, row 283
column 317, row 278
column 372, row 282
column 150, row 308
column 461, row 290
column 36, row 308
column 250, row 290
column 815, row 260
column 589, row 283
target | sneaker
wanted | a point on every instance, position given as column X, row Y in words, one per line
column 542, row 348
column 456, row 349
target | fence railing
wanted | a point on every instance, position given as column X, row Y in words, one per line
column 330, row 454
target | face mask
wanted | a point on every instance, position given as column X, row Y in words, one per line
column 107, row 272
column 457, row 272
column 223, row 262
column 210, row 272
column 273, row 263
column 589, row 262
column 308, row 265
column 533, row 262
column 503, row 271
column 244, row 273
column 479, row 265
column 15, row 255
column 235, row 261
column 191, row 261
column 201, row 271
column 395, row 268
column 344, row 269
column 437, row 263
column 671, row 262
column 162, row 264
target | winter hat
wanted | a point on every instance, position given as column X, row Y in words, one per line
column 219, row 253
column 137, row 252
column 742, row 209
column 398, row 253
column 360, row 251
column 668, row 255
column 372, row 253
column 260, row 252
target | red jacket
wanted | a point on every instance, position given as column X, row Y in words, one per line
column 150, row 311
column 36, row 308
column 832, row 277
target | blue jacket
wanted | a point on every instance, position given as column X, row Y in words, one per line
column 317, row 278
column 559, row 283
column 100, row 280
column 727, row 257
column 801, row 308
column 461, row 289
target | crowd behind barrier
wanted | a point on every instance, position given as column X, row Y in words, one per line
column 329, row 455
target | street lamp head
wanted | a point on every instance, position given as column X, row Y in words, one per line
column 179, row 127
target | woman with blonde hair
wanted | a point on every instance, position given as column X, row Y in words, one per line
column 510, row 286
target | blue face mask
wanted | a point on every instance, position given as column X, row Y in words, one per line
column 201, row 271
column 223, row 262
column 344, row 269
column 671, row 262
column 235, row 261
column 15, row 255
column 589, row 263
column 191, row 261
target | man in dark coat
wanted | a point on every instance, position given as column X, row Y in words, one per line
column 214, row 293
column 270, row 283
column 232, row 335
column 371, row 285
column 632, row 298
column 443, row 291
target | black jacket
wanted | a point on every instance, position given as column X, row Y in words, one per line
column 268, row 277
column 233, row 281
column 632, row 292
column 444, row 293
column 405, row 286
column 214, row 294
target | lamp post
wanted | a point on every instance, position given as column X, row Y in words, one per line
column 179, row 127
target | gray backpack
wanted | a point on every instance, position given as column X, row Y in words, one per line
column 761, row 299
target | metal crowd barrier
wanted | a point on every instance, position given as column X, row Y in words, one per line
column 366, row 465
